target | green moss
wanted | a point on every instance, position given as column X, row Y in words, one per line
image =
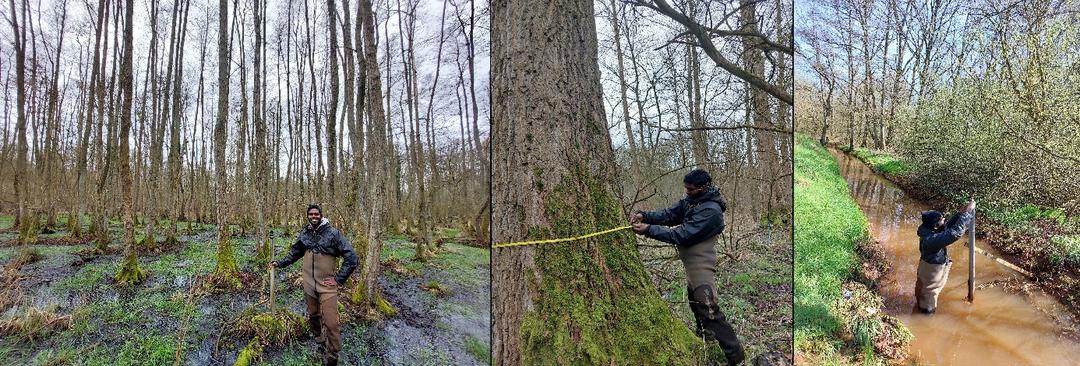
column 130, row 272
column 226, row 268
column 250, row 353
column 384, row 307
column 596, row 312
column 29, row 229
column 148, row 242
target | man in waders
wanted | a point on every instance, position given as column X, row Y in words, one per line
column 320, row 245
column 935, row 235
column 693, row 225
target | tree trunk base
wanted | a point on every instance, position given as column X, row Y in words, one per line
column 130, row 272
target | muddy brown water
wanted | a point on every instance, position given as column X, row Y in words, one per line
column 1004, row 325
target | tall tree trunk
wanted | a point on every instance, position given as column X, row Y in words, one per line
column 635, row 168
column 331, row 116
column 753, row 61
column 553, row 177
column 226, row 268
column 129, row 273
column 20, row 179
column 368, row 293
column 259, row 158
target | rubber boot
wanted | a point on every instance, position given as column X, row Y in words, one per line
column 715, row 325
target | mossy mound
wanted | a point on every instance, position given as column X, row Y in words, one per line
column 265, row 329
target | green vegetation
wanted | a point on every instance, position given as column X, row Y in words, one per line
column 881, row 162
column 478, row 349
column 1065, row 250
column 830, row 228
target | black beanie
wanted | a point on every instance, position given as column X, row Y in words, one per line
column 931, row 218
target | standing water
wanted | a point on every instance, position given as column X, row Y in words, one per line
column 1001, row 327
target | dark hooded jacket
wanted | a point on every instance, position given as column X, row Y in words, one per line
column 698, row 219
column 326, row 240
column 933, row 243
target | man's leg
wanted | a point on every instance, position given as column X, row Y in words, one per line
column 331, row 321
column 715, row 324
column 314, row 318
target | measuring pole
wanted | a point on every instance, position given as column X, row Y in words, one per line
column 971, row 261
column 272, row 277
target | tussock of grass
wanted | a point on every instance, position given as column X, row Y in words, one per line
column 34, row 324
column 271, row 328
column 265, row 329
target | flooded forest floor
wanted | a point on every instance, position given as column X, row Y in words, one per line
column 60, row 306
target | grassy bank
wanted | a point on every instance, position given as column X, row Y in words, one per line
column 1043, row 240
column 830, row 234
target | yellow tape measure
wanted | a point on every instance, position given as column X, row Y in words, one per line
column 563, row 240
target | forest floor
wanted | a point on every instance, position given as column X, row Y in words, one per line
column 1042, row 240
column 63, row 307
column 753, row 291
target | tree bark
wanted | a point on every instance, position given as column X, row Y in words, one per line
column 553, row 177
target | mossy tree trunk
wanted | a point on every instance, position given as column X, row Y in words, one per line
column 226, row 267
column 589, row 301
column 130, row 272
column 259, row 160
column 368, row 293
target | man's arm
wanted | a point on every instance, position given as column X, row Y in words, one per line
column 708, row 223
column 954, row 229
column 348, row 264
column 669, row 216
column 295, row 252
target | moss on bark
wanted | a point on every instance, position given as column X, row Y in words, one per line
column 595, row 303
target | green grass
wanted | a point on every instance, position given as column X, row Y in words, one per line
column 828, row 226
column 89, row 277
column 881, row 161
column 478, row 349
column 138, row 349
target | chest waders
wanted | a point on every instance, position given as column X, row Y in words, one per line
column 322, row 304
column 700, row 263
